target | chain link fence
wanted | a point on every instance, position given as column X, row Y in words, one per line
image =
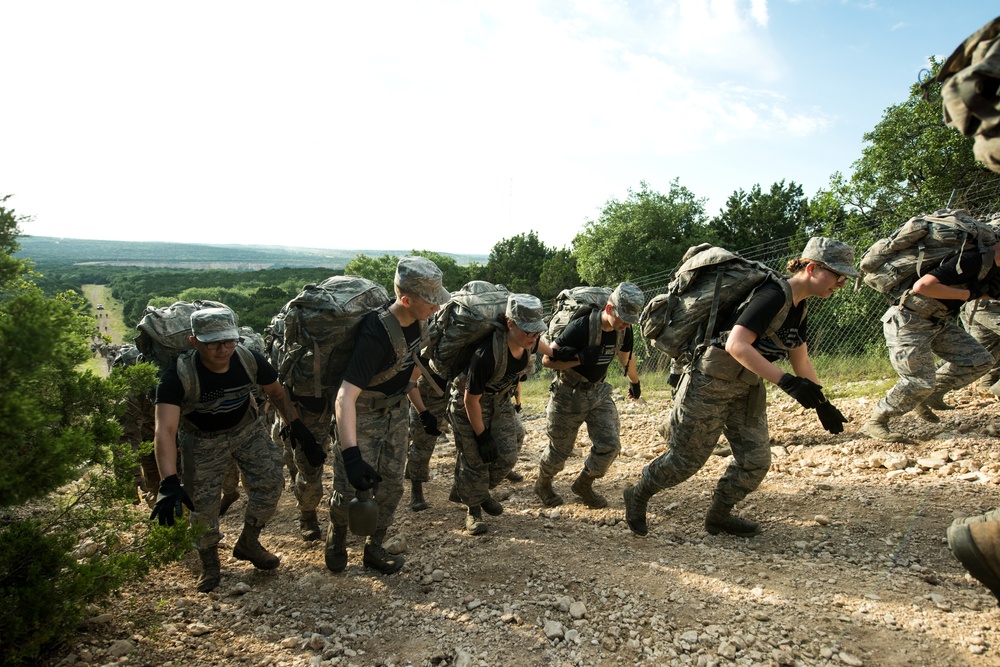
column 845, row 331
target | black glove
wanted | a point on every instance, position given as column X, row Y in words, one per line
column 488, row 449
column 805, row 391
column 302, row 436
column 831, row 418
column 673, row 380
column 588, row 356
column 634, row 390
column 361, row 475
column 430, row 423
column 168, row 501
column 517, row 407
column 565, row 354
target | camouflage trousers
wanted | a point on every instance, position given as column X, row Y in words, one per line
column 307, row 479
column 205, row 459
column 985, row 328
column 913, row 341
column 568, row 408
column 703, row 408
column 473, row 477
column 381, row 436
column 422, row 445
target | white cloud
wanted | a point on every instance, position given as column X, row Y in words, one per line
column 439, row 124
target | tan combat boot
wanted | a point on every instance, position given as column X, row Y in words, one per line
column 545, row 493
column 584, row 487
column 720, row 519
column 877, row 427
column 248, row 547
column 977, row 547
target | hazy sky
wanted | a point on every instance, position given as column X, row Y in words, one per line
column 440, row 125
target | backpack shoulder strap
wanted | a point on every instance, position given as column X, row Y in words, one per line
column 499, row 357
column 187, row 371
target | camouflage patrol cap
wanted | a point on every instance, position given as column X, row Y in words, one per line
column 628, row 302
column 526, row 311
column 834, row 254
column 421, row 276
column 211, row 324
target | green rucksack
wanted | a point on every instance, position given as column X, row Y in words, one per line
column 578, row 302
column 165, row 332
column 314, row 339
column 709, row 282
column 970, row 78
column 891, row 265
column 164, row 340
column 462, row 323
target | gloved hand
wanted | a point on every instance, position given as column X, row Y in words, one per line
column 634, row 390
column 567, row 353
column 517, row 407
column 168, row 501
column 588, row 356
column 673, row 380
column 805, row 391
column 361, row 475
column 430, row 423
column 302, row 436
column 830, row 417
column 489, row 451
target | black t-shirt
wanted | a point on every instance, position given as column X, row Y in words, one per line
column 767, row 301
column 234, row 388
column 577, row 335
column 947, row 273
column 482, row 366
column 374, row 353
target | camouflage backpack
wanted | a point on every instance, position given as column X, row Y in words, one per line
column 164, row 340
column 462, row 323
column 709, row 281
column 891, row 265
column 314, row 339
column 165, row 332
column 969, row 79
column 252, row 340
column 577, row 302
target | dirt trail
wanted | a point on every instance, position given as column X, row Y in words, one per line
column 852, row 568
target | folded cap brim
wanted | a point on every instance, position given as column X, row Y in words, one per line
column 226, row 334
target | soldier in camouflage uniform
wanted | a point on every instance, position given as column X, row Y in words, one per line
column 481, row 412
column 205, row 407
column 982, row 320
column 923, row 325
column 580, row 394
column 371, row 413
column 307, row 464
column 422, row 441
column 721, row 390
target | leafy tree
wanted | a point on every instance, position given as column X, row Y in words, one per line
column 58, row 426
column 646, row 233
column 558, row 273
column 758, row 217
column 381, row 269
column 911, row 164
column 517, row 263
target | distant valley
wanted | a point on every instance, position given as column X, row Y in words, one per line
column 53, row 250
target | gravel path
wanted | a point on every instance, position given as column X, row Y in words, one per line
column 852, row 568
